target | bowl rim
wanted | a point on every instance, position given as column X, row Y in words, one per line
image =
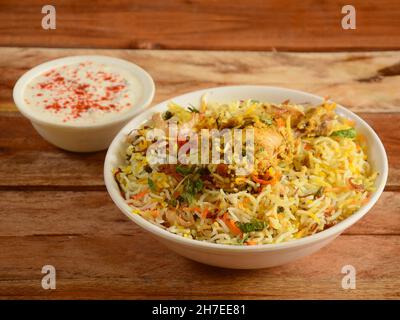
column 165, row 234
column 142, row 76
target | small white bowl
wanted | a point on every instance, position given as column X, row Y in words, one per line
column 82, row 138
column 257, row 256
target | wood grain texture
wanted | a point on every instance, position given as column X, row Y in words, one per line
column 99, row 253
column 54, row 208
column 26, row 159
column 363, row 82
column 136, row 267
column 205, row 24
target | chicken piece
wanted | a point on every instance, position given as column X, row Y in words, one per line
column 286, row 110
column 317, row 122
column 186, row 219
column 171, row 217
column 268, row 139
column 183, row 218
column 326, row 125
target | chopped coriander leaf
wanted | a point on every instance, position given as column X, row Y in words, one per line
column 319, row 193
column 348, row 133
column 267, row 121
column 191, row 108
column 203, row 171
column 151, row 184
column 183, row 170
column 192, row 187
column 243, row 240
column 172, row 202
column 255, row 225
column 167, row 115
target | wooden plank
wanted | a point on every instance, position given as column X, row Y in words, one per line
column 27, row 160
column 223, row 24
column 135, row 266
column 363, row 82
column 390, row 140
column 55, row 213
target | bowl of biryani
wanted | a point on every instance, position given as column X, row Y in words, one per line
column 246, row 176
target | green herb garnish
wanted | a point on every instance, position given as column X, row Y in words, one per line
column 192, row 187
column 167, row 115
column 348, row 133
column 191, row 108
column 172, row 202
column 319, row 193
column 255, row 225
column 267, row 121
column 151, row 184
column 203, row 171
column 183, row 170
column 243, row 240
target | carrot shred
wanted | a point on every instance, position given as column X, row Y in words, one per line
column 260, row 181
column 355, row 186
column 272, row 181
column 231, row 225
column 251, row 242
column 280, row 122
column 205, row 212
column 307, row 146
column 155, row 213
column 140, row 195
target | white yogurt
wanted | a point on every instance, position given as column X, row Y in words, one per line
column 83, row 93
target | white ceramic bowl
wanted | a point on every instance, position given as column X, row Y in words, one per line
column 82, row 138
column 257, row 256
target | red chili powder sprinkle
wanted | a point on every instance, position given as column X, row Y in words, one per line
column 54, row 106
column 117, row 88
column 78, row 94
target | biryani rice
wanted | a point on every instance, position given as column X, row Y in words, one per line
column 316, row 175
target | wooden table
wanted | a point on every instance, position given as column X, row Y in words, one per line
column 54, row 208
column 290, row 25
